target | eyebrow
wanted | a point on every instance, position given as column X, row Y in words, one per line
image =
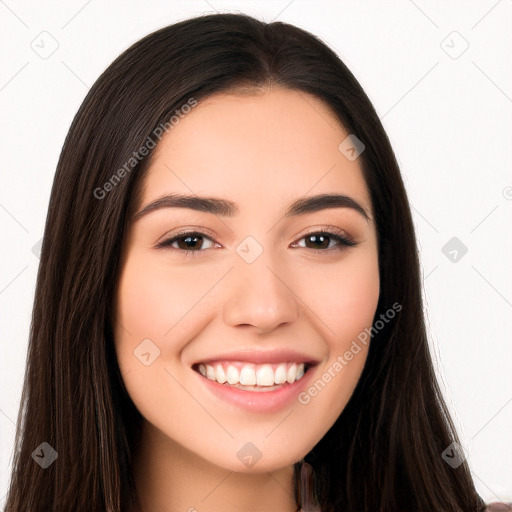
column 226, row 208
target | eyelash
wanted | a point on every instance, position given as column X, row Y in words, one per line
column 339, row 236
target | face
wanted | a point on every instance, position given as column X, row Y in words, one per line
column 249, row 288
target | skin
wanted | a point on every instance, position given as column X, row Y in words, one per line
column 261, row 151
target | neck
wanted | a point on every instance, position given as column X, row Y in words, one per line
column 171, row 478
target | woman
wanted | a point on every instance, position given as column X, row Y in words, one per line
column 228, row 312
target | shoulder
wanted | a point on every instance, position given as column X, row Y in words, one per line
column 498, row 506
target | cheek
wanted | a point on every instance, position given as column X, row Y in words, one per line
column 142, row 300
column 346, row 306
column 356, row 302
column 344, row 296
column 154, row 302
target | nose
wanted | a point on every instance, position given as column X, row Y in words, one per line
column 260, row 296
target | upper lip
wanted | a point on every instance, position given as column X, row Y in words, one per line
column 280, row 355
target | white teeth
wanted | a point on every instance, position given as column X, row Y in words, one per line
column 265, row 376
column 253, row 375
column 233, row 375
column 210, row 372
column 247, row 376
column 291, row 375
column 280, row 377
column 221, row 374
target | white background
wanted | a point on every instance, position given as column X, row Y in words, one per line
column 449, row 120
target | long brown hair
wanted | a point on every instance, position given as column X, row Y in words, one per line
column 383, row 454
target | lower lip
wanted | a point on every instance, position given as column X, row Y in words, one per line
column 259, row 401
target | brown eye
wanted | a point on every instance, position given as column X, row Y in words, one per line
column 323, row 240
column 319, row 241
column 187, row 242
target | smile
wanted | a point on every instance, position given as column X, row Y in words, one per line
column 250, row 376
column 258, row 388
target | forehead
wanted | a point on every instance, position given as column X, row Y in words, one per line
column 279, row 144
